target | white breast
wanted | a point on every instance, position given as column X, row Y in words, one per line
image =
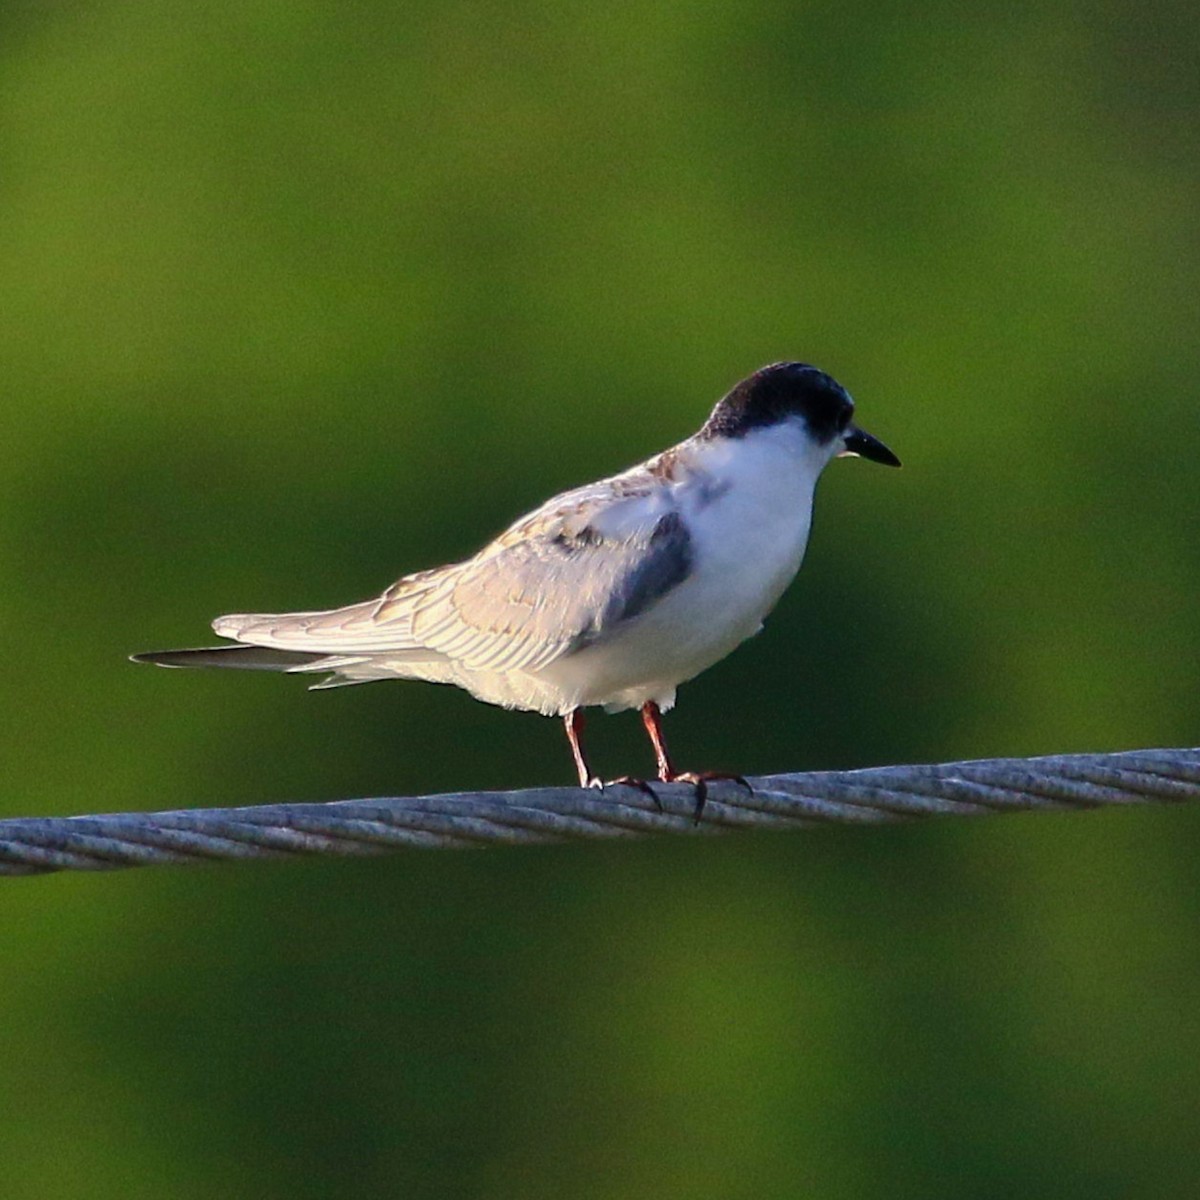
column 747, row 505
column 750, row 532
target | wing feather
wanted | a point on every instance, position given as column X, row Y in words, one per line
column 557, row 580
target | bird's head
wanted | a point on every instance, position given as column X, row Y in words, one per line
column 799, row 397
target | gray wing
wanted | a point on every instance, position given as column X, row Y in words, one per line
column 560, row 579
column 551, row 594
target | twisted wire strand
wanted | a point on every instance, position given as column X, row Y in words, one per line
column 37, row 845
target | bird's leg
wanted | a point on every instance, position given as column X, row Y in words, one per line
column 641, row 784
column 652, row 719
column 573, row 722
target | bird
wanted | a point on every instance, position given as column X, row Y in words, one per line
column 609, row 595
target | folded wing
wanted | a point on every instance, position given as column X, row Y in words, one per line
column 565, row 577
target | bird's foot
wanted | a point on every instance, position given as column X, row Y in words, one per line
column 640, row 784
column 700, row 781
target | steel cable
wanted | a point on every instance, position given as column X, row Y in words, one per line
column 36, row 845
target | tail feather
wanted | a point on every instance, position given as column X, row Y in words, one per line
column 246, row 658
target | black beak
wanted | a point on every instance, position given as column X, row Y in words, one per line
column 862, row 445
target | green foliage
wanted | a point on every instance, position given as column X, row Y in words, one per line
column 299, row 298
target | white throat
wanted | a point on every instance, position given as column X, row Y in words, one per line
column 775, row 468
column 750, row 512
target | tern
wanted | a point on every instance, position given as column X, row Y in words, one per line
column 611, row 594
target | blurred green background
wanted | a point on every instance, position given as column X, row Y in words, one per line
column 298, row 298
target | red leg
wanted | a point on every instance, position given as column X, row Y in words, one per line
column 573, row 721
column 650, row 715
column 652, row 719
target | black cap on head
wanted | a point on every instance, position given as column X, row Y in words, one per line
column 783, row 390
